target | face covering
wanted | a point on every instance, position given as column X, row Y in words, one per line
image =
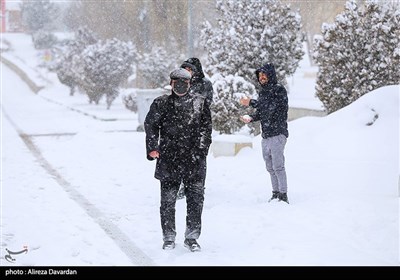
column 180, row 87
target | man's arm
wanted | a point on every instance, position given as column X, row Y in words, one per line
column 205, row 130
column 152, row 126
column 255, row 116
column 246, row 101
column 209, row 92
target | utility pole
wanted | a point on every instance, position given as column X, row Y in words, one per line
column 190, row 30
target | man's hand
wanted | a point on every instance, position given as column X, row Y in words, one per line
column 245, row 101
column 154, row 154
column 246, row 118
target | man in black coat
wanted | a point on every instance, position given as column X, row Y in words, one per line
column 272, row 112
column 199, row 84
column 178, row 134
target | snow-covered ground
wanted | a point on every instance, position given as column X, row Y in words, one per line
column 79, row 191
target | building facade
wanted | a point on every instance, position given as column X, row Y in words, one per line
column 11, row 20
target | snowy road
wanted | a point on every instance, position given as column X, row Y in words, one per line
column 20, row 109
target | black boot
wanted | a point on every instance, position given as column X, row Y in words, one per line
column 283, row 197
column 275, row 195
column 192, row 245
column 168, row 245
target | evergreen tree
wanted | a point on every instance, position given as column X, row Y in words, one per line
column 358, row 53
column 44, row 40
column 39, row 15
column 105, row 65
column 250, row 34
column 154, row 68
column 226, row 111
column 69, row 62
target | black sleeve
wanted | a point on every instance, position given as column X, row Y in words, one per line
column 205, row 130
column 152, row 125
column 253, row 103
column 209, row 91
column 282, row 99
column 255, row 116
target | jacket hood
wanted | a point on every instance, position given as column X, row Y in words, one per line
column 268, row 69
column 194, row 64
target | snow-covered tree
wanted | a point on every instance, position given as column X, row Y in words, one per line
column 43, row 40
column 154, row 67
column 39, row 15
column 105, row 66
column 248, row 35
column 358, row 53
column 69, row 63
column 225, row 107
column 251, row 33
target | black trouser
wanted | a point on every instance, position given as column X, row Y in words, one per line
column 194, row 204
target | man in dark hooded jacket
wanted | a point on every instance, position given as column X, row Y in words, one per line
column 198, row 84
column 178, row 134
column 272, row 112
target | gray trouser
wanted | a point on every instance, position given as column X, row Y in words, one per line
column 273, row 154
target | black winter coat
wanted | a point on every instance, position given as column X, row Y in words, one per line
column 199, row 83
column 204, row 87
column 179, row 128
column 271, row 106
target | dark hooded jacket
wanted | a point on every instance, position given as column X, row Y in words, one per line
column 272, row 105
column 199, row 83
column 179, row 128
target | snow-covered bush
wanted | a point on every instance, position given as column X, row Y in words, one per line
column 69, row 65
column 43, row 40
column 105, row 65
column 251, row 33
column 130, row 101
column 358, row 53
column 226, row 109
column 154, row 67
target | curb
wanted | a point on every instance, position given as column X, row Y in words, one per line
column 35, row 88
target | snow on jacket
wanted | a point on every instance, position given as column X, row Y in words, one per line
column 272, row 105
column 199, row 83
column 179, row 128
